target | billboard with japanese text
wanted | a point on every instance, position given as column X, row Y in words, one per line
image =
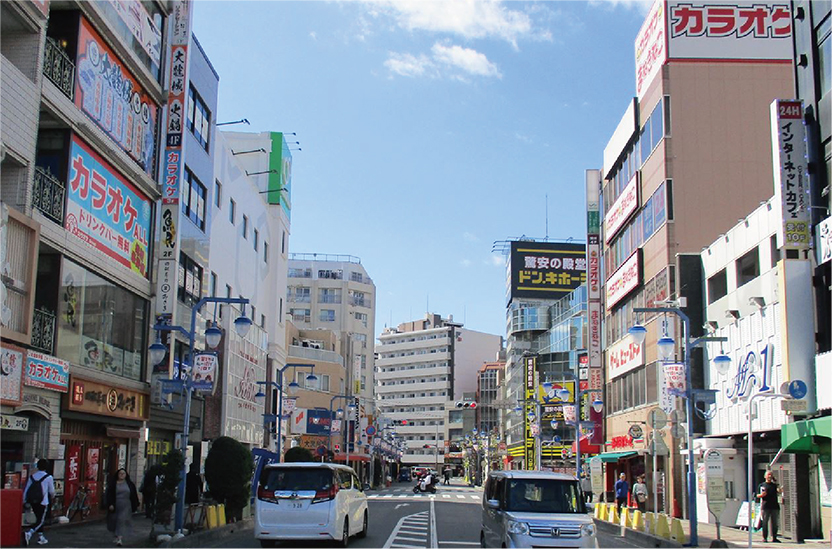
column 105, row 210
column 546, row 270
column 791, row 177
column 112, row 97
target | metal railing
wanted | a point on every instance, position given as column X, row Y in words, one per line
column 43, row 330
column 342, row 258
column 59, row 68
column 48, row 195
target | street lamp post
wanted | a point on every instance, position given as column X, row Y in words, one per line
column 157, row 353
column 665, row 347
column 291, row 388
column 597, row 405
column 350, row 410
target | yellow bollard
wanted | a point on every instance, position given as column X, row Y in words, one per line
column 638, row 521
column 596, row 512
column 625, row 518
column 614, row 518
column 602, row 511
column 221, row 514
column 650, row 523
column 212, row 516
column 662, row 529
column 676, row 531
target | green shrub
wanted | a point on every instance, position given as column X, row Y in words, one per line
column 298, row 454
column 228, row 470
column 171, row 471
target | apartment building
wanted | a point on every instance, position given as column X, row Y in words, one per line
column 334, row 292
column 424, row 366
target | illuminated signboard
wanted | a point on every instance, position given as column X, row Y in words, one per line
column 546, row 270
column 623, row 281
column 625, row 205
column 622, row 357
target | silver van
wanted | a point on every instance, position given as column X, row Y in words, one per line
column 535, row 509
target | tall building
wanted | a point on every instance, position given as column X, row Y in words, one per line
column 490, row 380
column 690, row 156
column 334, row 292
column 80, row 127
column 423, row 367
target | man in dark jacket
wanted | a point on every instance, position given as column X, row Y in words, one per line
column 193, row 485
column 622, row 488
column 148, row 490
column 767, row 493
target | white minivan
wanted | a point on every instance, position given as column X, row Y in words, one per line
column 309, row 501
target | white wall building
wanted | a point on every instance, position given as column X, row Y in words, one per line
column 423, row 366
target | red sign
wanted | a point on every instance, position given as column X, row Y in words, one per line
column 73, row 463
column 620, row 443
column 623, row 281
column 620, row 212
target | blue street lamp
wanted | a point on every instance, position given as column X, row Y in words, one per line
column 291, row 389
column 597, row 405
column 157, row 352
column 665, row 348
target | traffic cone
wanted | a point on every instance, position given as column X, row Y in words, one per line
column 677, row 532
column 638, row 520
column 662, row 529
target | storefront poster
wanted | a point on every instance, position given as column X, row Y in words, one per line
column 46, row 372
column 11, row 370
column 205, row 372
column 105, row 210
column 113, row 98
column 97, row 398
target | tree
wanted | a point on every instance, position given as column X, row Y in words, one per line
column 228, row 470
column 171, row 472
column 298, row 453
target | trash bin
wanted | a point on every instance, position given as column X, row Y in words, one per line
column 11, row 519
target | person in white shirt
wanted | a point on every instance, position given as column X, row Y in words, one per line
column 40, row 482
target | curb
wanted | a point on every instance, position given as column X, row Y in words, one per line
column 642, row 538
column 197, row 539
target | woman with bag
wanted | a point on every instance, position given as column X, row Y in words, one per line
column 640, row 493
column 122, row 502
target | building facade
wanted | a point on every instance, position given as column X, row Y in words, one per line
column 424, row 366
column 689, row 157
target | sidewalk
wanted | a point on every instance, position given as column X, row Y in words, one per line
column 733, row 537
column 95, row 534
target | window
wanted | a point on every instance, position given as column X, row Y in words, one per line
column 358, row 299
column 190, row 280
column 301, row 315
column 265, row 252
column 232, row 211
column 245, row 227
column 193, row 196
column 218, row 193
column 361, row 317
column 748, row 267
column 199, row 118
column 324, row 379
column 825, row 56
column 775, row 251
column 326, row 273
column 280, row 313
column 256, row 239
column 300, row 273
column 213, row 287
column 300, row 294
column 356, row 277
column 100, row 325
column 283, row 243
column 329, row 295
column 327, row 315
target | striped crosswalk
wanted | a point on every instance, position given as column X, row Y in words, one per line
column 411, row 531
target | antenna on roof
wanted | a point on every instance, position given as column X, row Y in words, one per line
column 547, row 216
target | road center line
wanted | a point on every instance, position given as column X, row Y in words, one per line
column 433, row 539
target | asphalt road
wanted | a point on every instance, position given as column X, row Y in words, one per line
column 398, row 518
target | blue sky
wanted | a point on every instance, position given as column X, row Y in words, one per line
column 429, row 129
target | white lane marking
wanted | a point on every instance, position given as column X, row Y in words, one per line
column 445, row 496
column 475, row 497
column 402, row 505
column 460, row 543
column 460, row 496
column 372, row 496
column 391, row 540
column 389, row 496
column 402, row 545
column 405, row 538
column 433, row 543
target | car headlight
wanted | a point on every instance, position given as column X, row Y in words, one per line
column 588, row 530
column 519, row 528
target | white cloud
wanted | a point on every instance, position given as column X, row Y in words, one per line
column 313, row 35
column 465, row 262
column 523, row 137
column 642, row 6
column 469, row 237
column 470, row 19
column 496, row 261
column 405, row 64
column 466, row 59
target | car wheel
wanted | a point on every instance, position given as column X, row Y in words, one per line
column 363, row 532
column 346, row 539
column 268, row 543
column 482, row 539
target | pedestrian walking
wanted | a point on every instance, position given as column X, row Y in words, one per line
column 768, row 493
column 39, row 492
column 122, row 502
column 622, row 488
column 640, row 493
column 447, row 473
column 148, row 490
column 586, row 486
column 193, row 485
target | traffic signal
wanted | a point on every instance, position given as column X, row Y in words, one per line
column 466, row 404
column 403, row 422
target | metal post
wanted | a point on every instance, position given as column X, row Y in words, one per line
column 655, row 474
column 692, row 514
column 280, row 416
column 538, row 448
column 436, row 446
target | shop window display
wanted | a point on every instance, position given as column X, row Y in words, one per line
column 100, row 325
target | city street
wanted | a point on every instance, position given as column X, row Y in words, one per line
column 399, row 518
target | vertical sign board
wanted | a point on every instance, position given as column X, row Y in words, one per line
column 791, row 178
column 651, row 47
column 280, row 178
column 593, row 282
column 173, row 162
column 715, row 482
column 531, row 386
column 823, row 241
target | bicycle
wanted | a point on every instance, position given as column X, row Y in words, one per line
column 79, row 503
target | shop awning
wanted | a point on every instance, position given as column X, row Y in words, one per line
column 811, row 436
column 609, row 457
column 587, row 448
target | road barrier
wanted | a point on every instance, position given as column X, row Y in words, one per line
column 676, row 531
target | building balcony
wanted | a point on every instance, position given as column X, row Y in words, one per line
column 43, row 331
column 48, row 195
column 329, row 299
column 412, row 345
column 414, row 359
column 416, row 372
column 59, row 68
column 361, row 303
column 418, row 387
column 300, row 299
column 317, row 355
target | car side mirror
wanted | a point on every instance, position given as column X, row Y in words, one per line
column 493, row 503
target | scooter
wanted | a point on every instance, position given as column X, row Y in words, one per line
column 429, row 488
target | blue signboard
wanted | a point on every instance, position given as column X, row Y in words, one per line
column 318, row 422
column 798, row 389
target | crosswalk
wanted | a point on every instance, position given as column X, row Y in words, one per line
column 411, row 531
column 398, row 496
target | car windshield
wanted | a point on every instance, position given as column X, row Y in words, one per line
column 296, row 479
column 544, row 496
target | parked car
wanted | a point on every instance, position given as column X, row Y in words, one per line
column 404, row 474
column 297, row 501
column 535, row 509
